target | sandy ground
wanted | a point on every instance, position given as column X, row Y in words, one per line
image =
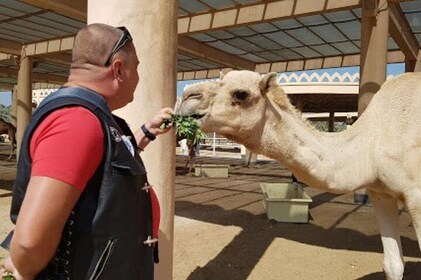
column 222, row 232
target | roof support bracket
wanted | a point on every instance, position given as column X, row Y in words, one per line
column 371, row 8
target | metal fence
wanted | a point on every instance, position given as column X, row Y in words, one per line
column 214, row 141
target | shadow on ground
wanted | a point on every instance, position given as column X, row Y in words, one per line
column 412, row 272
column 248, row 247
column 222, row 202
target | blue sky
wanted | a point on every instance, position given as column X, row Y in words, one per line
column 392, row 69
column 5, row 98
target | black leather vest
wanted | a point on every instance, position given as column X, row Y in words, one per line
column 105, row 233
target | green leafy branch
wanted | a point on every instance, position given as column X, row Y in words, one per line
column 187, row 126
column 9, row 276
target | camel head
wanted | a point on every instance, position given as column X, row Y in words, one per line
column 235, row 106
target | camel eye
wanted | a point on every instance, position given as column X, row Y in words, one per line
column 193, row 95
column 240, row 95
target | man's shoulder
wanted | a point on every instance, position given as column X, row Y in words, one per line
column 73, row 96
column 77, row 117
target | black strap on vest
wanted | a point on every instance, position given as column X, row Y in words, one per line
column 76, row 96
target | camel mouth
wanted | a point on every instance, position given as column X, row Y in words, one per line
column 197, row 116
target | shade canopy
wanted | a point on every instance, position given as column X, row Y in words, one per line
column 218, row 35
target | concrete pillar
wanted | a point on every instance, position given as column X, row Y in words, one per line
column 243, row 151
column 153, row 25
column 331, row 121
column 374, row 33
column 373, row 65
column 251, row 158
column 349, row 121
column 23, row 99
column 214, row 145
column 13, row 113
column 300, row 104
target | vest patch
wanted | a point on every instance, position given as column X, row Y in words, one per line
column 128, row 144
column 115, row 134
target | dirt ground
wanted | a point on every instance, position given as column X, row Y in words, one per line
column 222, row 231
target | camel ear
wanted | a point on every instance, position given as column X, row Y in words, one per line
column 267, row 81
column 221, row 75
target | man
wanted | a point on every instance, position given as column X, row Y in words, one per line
column 81, row 200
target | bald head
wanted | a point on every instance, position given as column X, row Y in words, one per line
column 117, row 80
column 93, row 44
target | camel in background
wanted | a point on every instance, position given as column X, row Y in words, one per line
column 381, row 151
column 10, row 130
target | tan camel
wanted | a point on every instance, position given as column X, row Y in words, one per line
column 381, row 151
column 10, row 130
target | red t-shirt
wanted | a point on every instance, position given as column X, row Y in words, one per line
column 68, row 146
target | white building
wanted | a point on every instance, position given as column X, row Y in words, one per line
column 42, row 90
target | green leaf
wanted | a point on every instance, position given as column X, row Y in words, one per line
column 8, row 277
column 187, row 126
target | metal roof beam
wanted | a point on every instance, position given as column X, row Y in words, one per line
column 401, row 32
column 398, row 1
column 10, row 47
column 57, row 58
column 49, row 50
column 322, row 63
column 10, row 57
column 290, row 66
column 200, row 50
column 49, row 46
column 5, row 56
column 259, row 13
column 6, row 86
column 38, row 77
column 76, row 9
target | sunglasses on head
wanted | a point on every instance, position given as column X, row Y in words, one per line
column 124, row 38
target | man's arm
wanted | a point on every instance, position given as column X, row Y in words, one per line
column 45, row 210
column 67, row 146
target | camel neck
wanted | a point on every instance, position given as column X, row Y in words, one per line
column 337, row 162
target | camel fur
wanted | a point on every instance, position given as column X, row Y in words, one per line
column 10, row 130
column 381, row 151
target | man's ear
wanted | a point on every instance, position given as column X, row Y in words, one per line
column 117, row 71
column 268, row 80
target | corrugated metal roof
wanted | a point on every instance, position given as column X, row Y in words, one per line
column 328, row 33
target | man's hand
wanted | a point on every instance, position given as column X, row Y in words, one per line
column 7, row 268
column 154, row 125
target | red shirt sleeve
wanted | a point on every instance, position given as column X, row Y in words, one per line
column 68, row 146
column 156, row 213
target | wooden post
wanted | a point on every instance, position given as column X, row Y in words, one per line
column 23, row 99
column 412, row 65
column 373, row 64
column 13, row 113
column 331, row 121
column 374, row 34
